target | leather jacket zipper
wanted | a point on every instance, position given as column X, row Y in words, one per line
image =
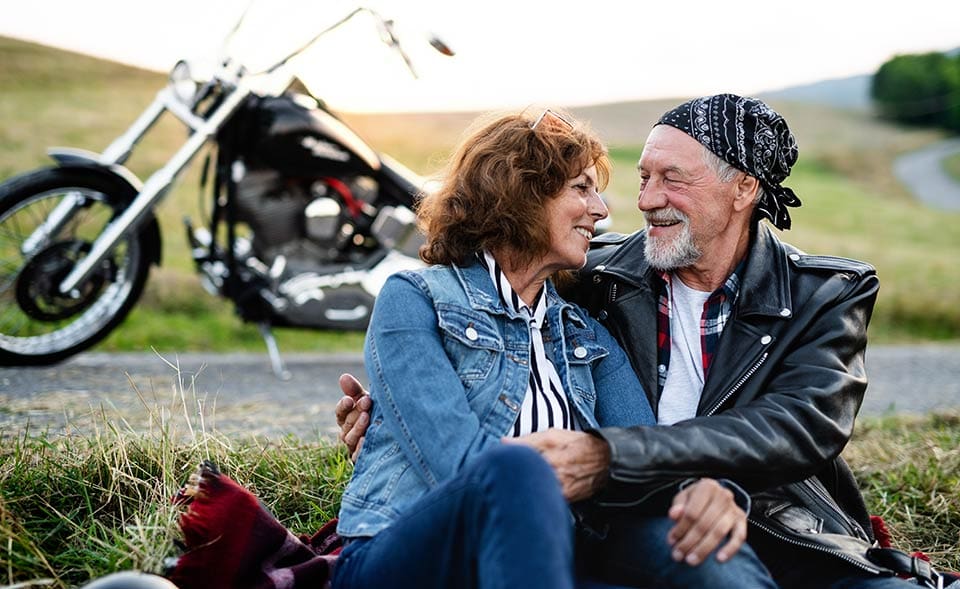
column 739, row 384
column 820, row 495
column 816, row 547
column 828, row 501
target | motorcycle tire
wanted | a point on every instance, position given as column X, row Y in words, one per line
column 38, row 324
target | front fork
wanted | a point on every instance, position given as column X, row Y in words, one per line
column 158, row 183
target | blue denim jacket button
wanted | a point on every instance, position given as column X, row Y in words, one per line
column 580, row 352
column 471, row 334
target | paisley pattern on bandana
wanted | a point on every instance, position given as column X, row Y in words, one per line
column 750, row 136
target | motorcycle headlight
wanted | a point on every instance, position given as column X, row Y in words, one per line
column 182, row 82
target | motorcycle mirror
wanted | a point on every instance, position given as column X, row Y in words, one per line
column 182, row 82
column 440, row 45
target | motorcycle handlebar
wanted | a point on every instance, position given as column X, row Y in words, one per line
column 390, row 38
column 387, row 35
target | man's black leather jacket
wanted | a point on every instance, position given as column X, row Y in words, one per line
column 779, row 401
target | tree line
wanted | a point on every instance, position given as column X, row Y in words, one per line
column 920, row 89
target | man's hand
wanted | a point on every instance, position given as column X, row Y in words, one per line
column 706, row 513
column 580, row 460
column 353, row 414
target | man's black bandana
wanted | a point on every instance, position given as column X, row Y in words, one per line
column 750, row 136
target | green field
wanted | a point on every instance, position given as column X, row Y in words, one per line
column 853, row 205
column 952, row 166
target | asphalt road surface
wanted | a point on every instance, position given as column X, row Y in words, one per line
column 922, row 171
column 228, row 393
column 238, row 393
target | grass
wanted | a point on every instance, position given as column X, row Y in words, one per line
column 909, row 471
column 73, row 508
column 952, row 166
column 76, row 507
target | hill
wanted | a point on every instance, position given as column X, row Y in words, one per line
column 852, row 93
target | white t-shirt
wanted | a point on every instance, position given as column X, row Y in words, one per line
column 684, row 384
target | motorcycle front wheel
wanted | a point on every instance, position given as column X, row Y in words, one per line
column 48, row 220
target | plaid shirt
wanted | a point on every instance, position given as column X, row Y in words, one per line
column 716, row 312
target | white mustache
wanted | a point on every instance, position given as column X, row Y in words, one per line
column 669, row 215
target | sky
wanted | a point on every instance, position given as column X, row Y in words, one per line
column 510, row 53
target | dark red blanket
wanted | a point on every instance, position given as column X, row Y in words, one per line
column 232, row 541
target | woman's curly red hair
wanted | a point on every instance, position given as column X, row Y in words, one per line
column 496, row 186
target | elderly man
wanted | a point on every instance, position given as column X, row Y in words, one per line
column 750, row 349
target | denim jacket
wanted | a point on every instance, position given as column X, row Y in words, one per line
column 448, row 367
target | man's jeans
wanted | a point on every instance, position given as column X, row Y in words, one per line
column 635, row 552
column 502, row 522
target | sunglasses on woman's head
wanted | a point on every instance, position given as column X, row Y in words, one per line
column 552, row 119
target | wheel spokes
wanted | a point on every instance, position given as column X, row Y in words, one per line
column 37, row 309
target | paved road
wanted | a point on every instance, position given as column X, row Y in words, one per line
column 923, row 174
column 238, row 392
column 223, row 392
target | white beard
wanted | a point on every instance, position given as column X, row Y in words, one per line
column 670, row 254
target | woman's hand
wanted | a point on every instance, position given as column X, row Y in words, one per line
column 353, row 414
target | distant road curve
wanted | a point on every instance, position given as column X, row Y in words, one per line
column 923, row 174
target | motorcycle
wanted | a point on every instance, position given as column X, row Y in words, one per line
column 306, row 221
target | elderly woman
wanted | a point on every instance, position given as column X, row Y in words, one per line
column 476, row 348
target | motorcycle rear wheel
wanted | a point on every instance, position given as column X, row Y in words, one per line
column 38, row 324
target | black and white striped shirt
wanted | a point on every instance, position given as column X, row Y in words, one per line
column 545, row 404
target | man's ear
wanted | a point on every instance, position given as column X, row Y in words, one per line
column 747, row 187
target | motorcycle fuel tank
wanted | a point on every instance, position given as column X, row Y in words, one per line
column 292, row 134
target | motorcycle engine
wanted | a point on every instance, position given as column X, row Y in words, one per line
column 309, row 222
column 321, row 248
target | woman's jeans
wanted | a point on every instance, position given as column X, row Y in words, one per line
column 501, row 522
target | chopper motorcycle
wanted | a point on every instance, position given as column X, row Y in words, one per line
column 306, row 223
